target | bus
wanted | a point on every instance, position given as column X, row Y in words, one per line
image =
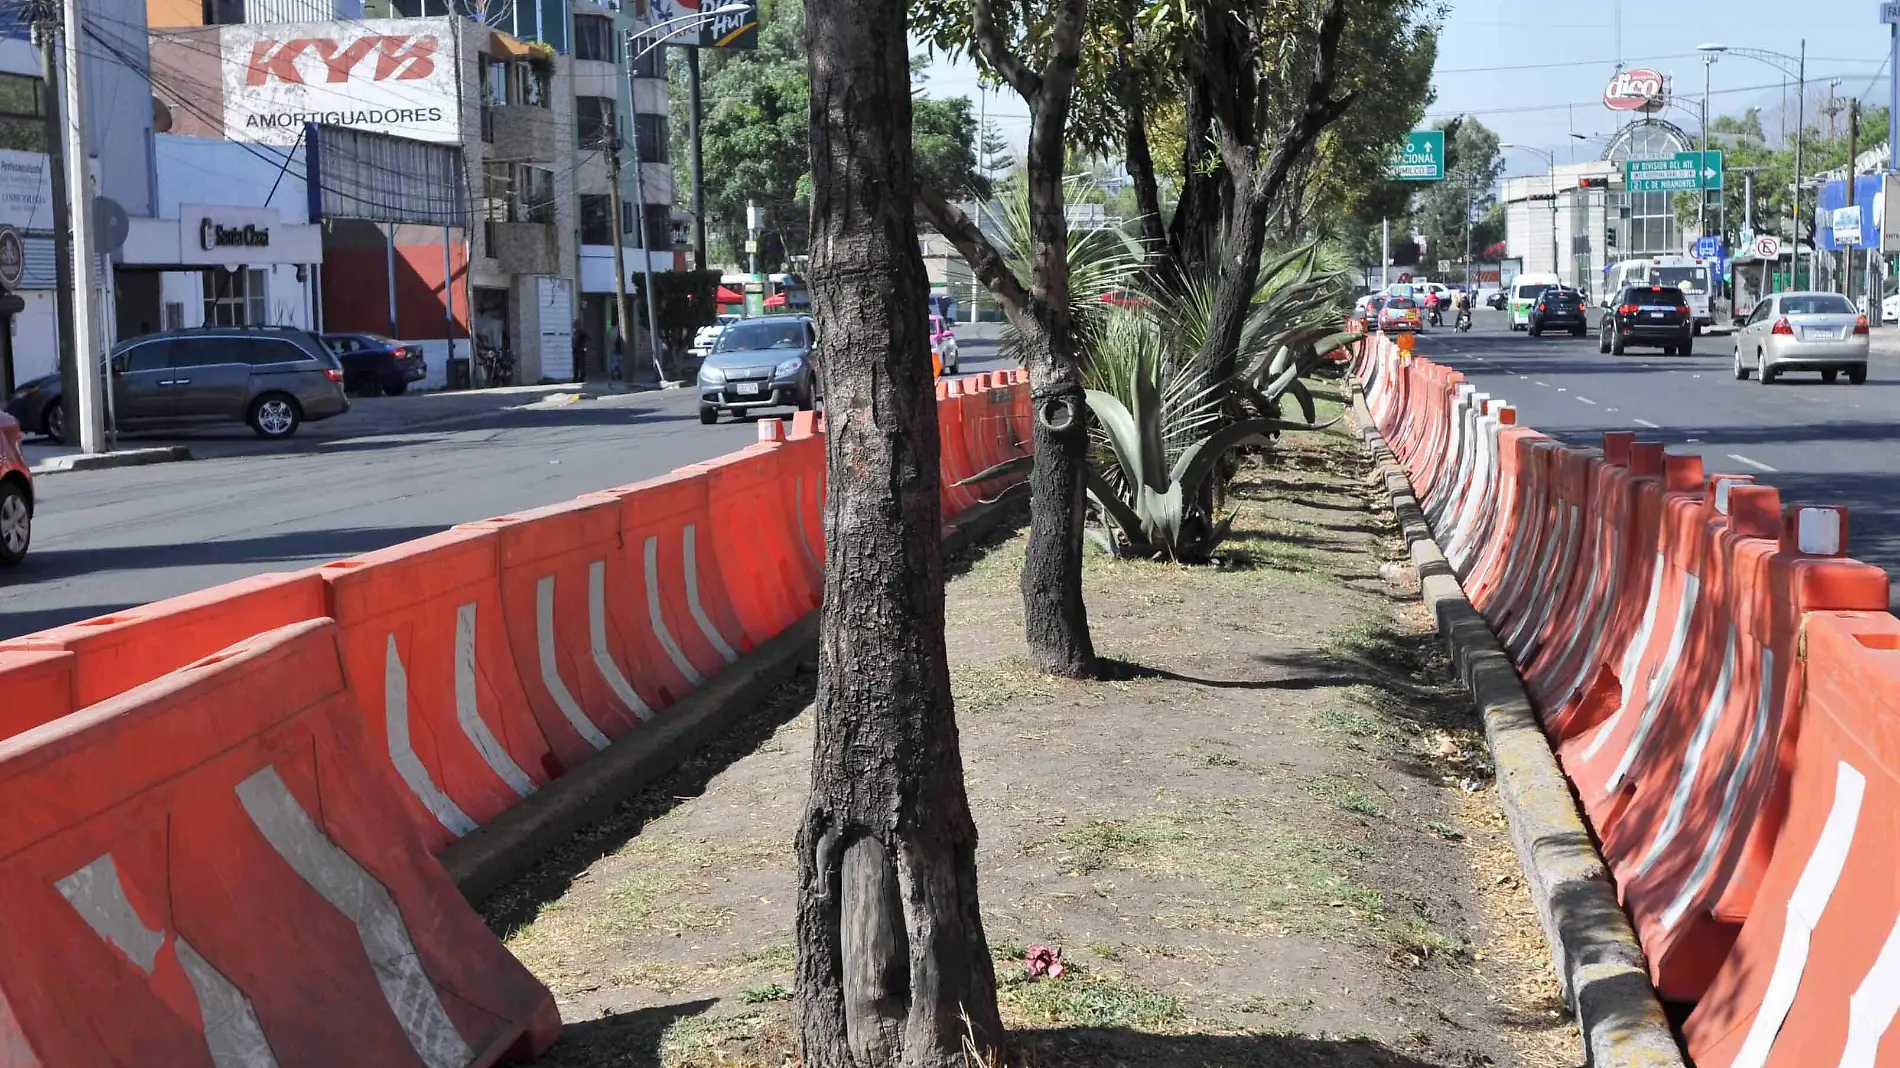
column 1684, row 272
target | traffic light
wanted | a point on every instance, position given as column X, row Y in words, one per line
column 1601, row 182
column 1609, row 238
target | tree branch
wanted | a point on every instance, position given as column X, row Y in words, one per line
column 1320, row 110
column 995, row 51
column 985, row 261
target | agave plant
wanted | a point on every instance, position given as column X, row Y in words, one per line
column 1100, row 263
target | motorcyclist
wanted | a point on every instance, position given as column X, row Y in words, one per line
column 1464, row 311
column 1431, row 308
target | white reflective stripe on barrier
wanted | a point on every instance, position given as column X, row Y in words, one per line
column 597, row 642
column 1692, row 761
column 1811, row 894
column 1660, row 680
column 402, row 750
column 545, row 642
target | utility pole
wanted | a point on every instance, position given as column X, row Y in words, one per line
column 46, row 35
column 1701, row 187
column 610, row 137
column 1800, row 137
column 699, row 161
column 1385, row 252
column 85, row 289
column 1853, row 145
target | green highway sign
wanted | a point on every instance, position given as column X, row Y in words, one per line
column 1421, row 160
column 1684, row 171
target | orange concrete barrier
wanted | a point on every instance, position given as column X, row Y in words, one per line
column 1596, row 495
column 37, row 685
column 565, row 630
column 426, row 648
column 136, row 645
column 758, row 548
column 209, row 869
column 1814, row 977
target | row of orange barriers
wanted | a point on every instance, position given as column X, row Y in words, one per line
column 1719, row 682
column 225, row 806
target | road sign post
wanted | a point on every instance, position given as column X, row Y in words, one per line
column 1421, row 160
column 1683, row 172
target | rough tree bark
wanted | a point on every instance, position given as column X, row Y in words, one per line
column 892, row 960
column 1241, row 106
column 1055, row 619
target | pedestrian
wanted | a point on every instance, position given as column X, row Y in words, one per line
column 580, row 351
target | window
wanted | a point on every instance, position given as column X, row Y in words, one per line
column 597, row 224
column 594, row 38
column 22, row 114
column 659, row 235
column 1817, row 304
column 594, row 121
column 206, row 351
column 151, row 356
column 627, row 217
column 174, row 315
column 652, row 64
column 649, row 136
column 266, row 350
column 234, row 298
column 537, row 195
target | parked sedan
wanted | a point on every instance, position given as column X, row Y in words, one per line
column 273, row 378
column 760, row 363
column 1559, row 309
column 374, row 364
column 1803, row 332
column 1648, row 317
column 16, row 496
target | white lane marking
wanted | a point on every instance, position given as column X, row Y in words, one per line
column 1819, row 876
column 1647, row 423
column 402, row 751
column 658, row 621
column 340, row 880
column 1588, row 401
column 1563, row 389
column 551, row 667
column 1524, row 377
column 692, row 601
column 1544, row 384
column 597, row 640
column 468, row 713
column 1612, row 409
column 1756, row 464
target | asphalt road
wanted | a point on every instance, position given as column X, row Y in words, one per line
column 1819, row 444
column 107, row 540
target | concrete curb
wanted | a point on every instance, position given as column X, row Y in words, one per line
column 1593, row 948
column 105, row 460
column 508, row 847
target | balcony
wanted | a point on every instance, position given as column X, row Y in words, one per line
column 523, row 132
column 522, row 247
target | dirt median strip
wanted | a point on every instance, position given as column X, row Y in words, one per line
column 508, row 847
column 1593, row 947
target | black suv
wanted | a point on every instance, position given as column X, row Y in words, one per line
column 1649, row 316
column 1559, row 308
column 272, row 377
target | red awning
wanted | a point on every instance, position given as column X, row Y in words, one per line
column 727, row 296
column 776, row 300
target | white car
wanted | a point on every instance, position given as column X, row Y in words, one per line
column 1890, row 309
column 707, row 336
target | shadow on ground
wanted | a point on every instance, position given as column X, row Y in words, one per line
column 637, row 1039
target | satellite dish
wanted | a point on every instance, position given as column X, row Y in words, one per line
column 110, row 225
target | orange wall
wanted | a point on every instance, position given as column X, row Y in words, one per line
column 174, row 13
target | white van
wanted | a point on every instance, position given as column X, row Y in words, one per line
column 1685, row 273
column 1525, row 289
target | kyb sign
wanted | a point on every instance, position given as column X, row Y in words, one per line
column 392, row 76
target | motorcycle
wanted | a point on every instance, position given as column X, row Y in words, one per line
column 1437, row 314
column 497, row 367
column 1464, row 321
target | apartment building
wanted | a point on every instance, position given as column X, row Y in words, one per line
column 534, row 96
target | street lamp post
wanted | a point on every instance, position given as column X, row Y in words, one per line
column 1798, row 66
column 1551, row 159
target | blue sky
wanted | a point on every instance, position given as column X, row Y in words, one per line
column 1570, row 51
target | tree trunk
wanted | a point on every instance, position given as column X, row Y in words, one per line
column 892, row 960
column 1140, row 160
column 1055, row 618
column 1194, row 232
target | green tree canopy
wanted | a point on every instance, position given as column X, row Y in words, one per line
column 755, row 133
